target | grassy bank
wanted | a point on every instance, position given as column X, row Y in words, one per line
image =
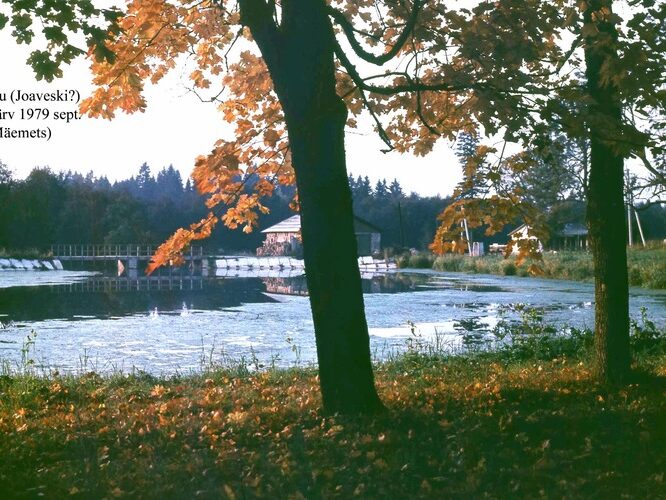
column 647, row 267
column 27, row 253
column 517, row 423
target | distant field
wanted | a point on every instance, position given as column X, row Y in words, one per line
column 647, row 267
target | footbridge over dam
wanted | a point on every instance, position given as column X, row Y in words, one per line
column 131, row 259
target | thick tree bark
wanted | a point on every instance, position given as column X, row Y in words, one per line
column 605, row 211
column 299, row 56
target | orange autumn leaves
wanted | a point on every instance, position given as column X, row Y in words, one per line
column 488, row 197
column 208, row 36
column 171, row 251
column 155, row 34
column 457, row 427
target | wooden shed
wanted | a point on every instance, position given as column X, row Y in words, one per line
column 284, row 238
column 573, row 236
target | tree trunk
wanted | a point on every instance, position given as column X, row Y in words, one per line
column 329, row 247
column 299, row 56
column 605, row 211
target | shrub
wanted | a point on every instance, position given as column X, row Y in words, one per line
column 451, row 263
column 645, row 337
column 421, row 261
column 402, row 260
column 532, row 338
column 509, row 269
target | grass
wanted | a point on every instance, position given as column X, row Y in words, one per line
column 28, row 253
column 646, row 267
column 512, row 423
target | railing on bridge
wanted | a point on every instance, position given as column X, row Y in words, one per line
column 136, row 284
column 102, row 252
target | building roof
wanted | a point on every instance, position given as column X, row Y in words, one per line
column 519, row 229
column 293, row 225
column 290, row 225
column 363, row 226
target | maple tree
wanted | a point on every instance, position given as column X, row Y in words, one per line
column 619, row 110
column 295, row 73
column 56, row 27
column 290, row 128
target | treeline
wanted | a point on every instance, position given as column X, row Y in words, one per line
column 48, row 207
column 406, row 221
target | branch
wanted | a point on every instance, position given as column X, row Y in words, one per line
column 380, row 128
column 646, row 163
column 647, row 204
column 410, row 86
column 348, row 30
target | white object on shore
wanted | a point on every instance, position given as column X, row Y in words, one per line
column 30, row 265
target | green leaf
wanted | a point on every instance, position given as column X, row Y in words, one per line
column 43, row 66
column 55, row 34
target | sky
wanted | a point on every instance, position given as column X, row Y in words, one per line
column 174, row 130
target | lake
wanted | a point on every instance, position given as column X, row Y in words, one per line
column 179, row 324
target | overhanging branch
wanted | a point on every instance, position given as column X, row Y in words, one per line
column 349, row 29
column 410, row 86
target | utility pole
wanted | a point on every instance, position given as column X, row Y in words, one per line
column 631, row 229
column 640, row 227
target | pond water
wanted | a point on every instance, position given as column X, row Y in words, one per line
column 178, row 324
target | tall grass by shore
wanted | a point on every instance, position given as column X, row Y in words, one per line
column 647, row 267
column 27, row 253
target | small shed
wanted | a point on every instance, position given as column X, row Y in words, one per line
column 573, row 236
column 284, row 238
column 522, row 233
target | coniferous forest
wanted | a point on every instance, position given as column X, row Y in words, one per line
column 47, row 208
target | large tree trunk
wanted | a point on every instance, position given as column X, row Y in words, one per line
column 329, row 247
column 300, row 59
column 605, row 212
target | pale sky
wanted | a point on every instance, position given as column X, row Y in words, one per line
column 175, row 129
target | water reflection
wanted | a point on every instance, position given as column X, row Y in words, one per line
column 168, row 323
column 473, row 331
column 102, row 296
column 371, row 283
column 111, row 297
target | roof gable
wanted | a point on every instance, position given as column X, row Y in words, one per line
column 293, row 225
column 519, row 229
column 289, row 225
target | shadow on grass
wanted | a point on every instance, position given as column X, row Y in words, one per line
column 493, row 430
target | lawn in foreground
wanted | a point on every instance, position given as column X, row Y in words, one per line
column 457, row 426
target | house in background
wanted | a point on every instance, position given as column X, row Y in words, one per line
column 284, row 238
column 573, row 236
column 522, row 233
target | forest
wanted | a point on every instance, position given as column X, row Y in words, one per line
column 47, row 208
column 50, row 207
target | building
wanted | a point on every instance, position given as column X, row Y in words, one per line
column 284, row 238
column 522, row 233
column 573, row 236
